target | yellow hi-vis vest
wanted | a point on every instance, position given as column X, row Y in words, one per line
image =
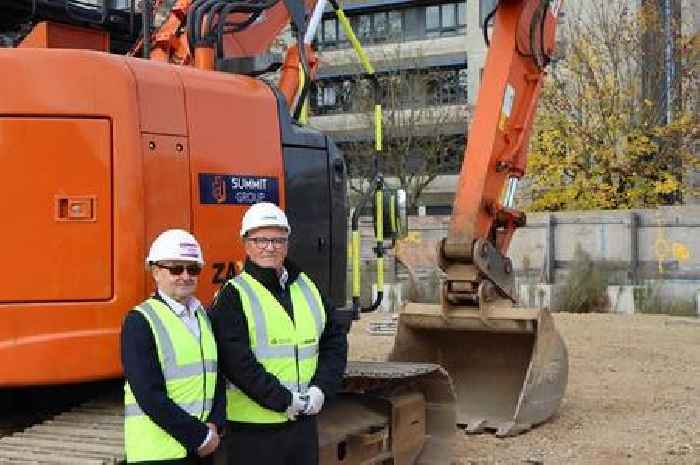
column 189, row 368
column 286, row 349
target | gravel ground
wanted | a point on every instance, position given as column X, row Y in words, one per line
column 633, row 395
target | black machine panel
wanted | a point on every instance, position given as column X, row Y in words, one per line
column 308, row 209
column 316, row 207
column 315, row 189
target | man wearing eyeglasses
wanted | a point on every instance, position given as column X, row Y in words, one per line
column 174, row 404
column 280, row 349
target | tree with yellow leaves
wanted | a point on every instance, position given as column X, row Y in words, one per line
column 614, row 128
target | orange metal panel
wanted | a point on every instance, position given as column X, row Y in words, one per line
column 47, row 165
column 161, row 99
column 166, row 185
column 55, row 35
column 234, row 120
column 72, row 341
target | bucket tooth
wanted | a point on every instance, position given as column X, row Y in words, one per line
column 511, row 429
column 476, row 426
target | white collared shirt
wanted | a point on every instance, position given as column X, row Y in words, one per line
column 185, row 312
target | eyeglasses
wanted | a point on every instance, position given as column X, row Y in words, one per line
column 177, row 270
column 263, row 243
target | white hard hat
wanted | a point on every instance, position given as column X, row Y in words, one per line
column 264, row 215
column 175, row 244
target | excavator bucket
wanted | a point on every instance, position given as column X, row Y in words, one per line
column 509, row 365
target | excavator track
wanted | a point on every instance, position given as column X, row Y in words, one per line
column 90, row 434
column 399, row 384
column 93, row 432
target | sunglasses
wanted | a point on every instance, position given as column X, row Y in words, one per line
column 177, row 270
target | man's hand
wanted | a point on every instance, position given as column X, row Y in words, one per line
column 298, row 405
column 316, row 399
column 211, row 443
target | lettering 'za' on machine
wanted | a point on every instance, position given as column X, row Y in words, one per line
column 102, row 151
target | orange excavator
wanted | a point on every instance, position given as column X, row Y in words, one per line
column 102, row 151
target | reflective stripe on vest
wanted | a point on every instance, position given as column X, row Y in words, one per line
column 193, row 408
column 292, row 358
column 189, row 369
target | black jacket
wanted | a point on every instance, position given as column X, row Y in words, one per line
column 143, row 371
column 237, row 361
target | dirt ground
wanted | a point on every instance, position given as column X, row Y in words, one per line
column 633, row 395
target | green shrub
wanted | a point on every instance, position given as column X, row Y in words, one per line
column 585, row 289
column 649, row 299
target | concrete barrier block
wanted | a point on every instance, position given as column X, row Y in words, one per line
column 535, row 295
column 392, row 299
column 621, row 299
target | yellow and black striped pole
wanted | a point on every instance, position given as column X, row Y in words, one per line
column 377, row 185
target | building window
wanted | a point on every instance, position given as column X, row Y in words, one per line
column 328, row 97
column 432, row 21
column 395, row 26
column 448, row 16
column 413, row 88
column 363, row 28
column 329, row 32
column 445, row 20
column 462, row 14
column 486, row 7
column 325, row 96
column 342, row 37
column 379, row 29
column 447, row 87
column 416, row 23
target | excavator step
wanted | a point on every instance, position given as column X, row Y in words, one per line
column 385, row 327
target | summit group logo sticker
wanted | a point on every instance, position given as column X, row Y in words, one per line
column 236, row 189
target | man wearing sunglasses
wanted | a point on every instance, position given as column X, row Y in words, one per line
column 280, row 349
column 174, row 404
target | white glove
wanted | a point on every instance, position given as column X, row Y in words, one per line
column 298, row 405
column 315, row 403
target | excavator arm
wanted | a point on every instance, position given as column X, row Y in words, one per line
column 509, row 365
column 483, row 220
